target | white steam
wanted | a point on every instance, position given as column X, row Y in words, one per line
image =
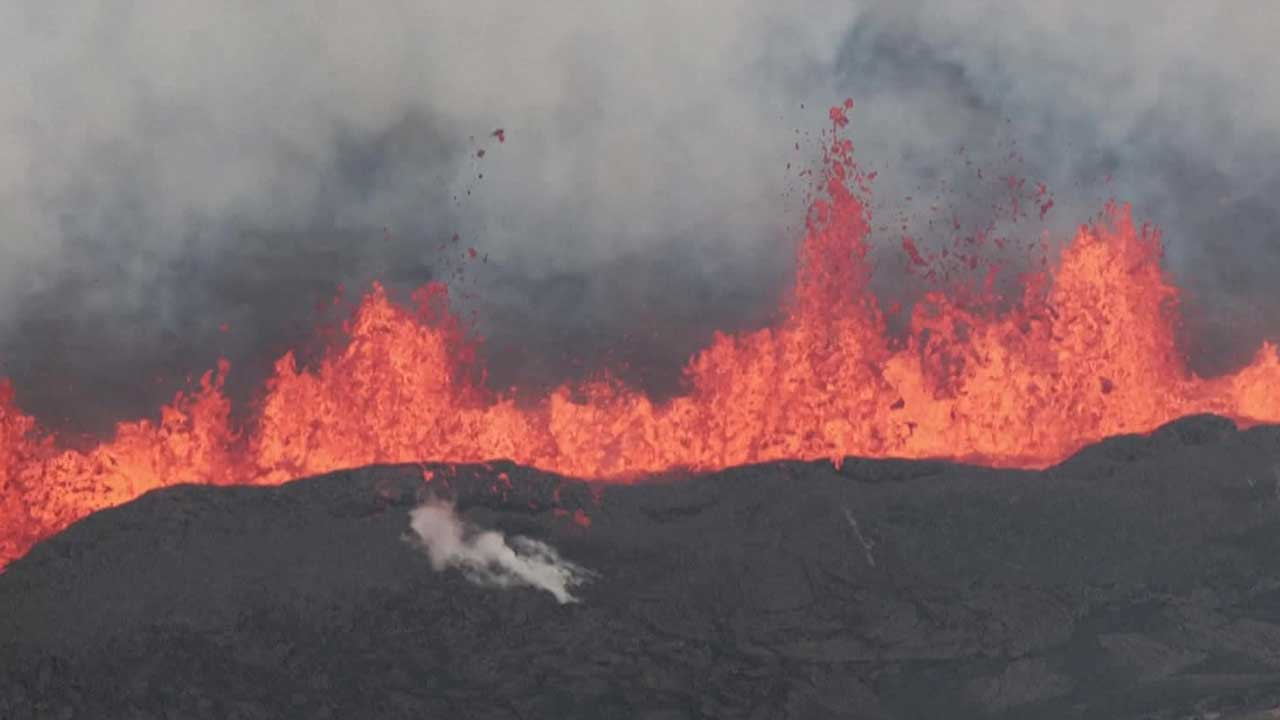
column 485, row 557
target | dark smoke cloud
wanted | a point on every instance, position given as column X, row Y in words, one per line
column 169, row 168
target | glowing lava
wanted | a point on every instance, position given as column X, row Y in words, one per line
column 1088, row 351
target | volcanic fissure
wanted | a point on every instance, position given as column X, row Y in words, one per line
column 1087, row 351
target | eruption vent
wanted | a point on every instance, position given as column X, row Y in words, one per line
column 1087, row 351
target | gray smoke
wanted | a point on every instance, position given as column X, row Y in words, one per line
column 168, row 169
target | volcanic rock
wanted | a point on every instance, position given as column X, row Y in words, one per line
column 1138, row 579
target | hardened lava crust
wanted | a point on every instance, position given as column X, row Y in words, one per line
column 1138, row 579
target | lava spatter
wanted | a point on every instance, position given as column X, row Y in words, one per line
column 1088, row 350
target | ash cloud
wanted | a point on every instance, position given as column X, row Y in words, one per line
column 487, row 559
column 168, row 169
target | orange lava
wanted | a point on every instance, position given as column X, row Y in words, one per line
column 1088, row 351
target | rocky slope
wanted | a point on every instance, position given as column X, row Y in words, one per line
column 1140, row 579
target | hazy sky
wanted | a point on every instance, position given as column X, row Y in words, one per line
column 170, row 167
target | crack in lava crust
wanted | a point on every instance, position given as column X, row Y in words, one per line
column 1088, row 351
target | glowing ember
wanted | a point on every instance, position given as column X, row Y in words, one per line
column 1087, row 352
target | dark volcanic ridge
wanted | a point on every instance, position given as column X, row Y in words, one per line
column 1139, row 579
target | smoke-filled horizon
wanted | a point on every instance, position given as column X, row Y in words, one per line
column 183, row 181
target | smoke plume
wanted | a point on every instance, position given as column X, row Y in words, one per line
column 485, row 557
column 181, row 181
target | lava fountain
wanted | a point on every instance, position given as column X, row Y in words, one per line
column 1087, row 351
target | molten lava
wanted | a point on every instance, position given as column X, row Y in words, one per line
column 1086, row 352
